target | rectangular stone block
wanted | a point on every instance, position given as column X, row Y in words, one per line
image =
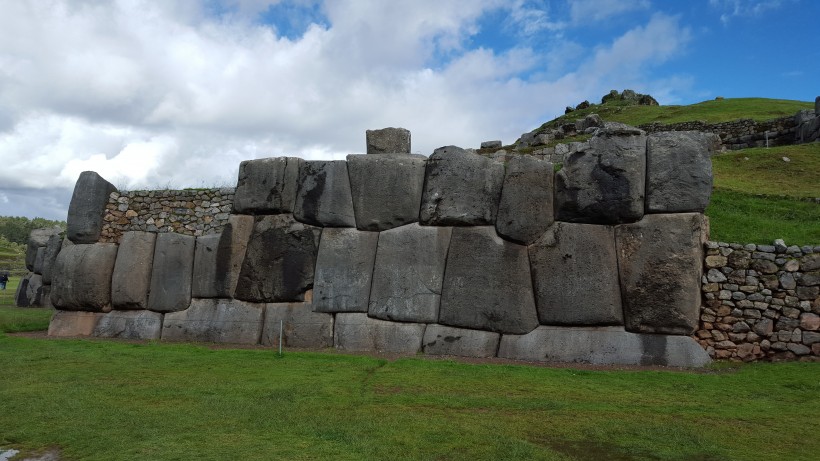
column 443, row 340
column 525, row 210
column 344, row 270
column 358, row 332
column 172, row 273
column 388, row 141
column 131, row 278
column 129, row 325
column 204, row 283
column 301, row 326
column 73, row 323
column 323, row 197
column 230, row 254
column 82, row 277
column 267, row 185
column 679, row 171
column 215, row 320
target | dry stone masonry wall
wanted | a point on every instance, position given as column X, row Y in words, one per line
column 453, row 254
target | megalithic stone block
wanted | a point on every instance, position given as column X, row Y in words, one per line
column 409, row 273
column 679, row 171
column 172, row 273
column 386, row 189
column 525, row 211
column 487, row 284
column 204, row 283
column 34, row 290
column 38, row 260
column 388, row 141
column 82, row 277
column 660, row 260
column 604, row 183
column 280, row 261
column 575, row 276
column 442, row 340
column 323, row 197
column 21, row 294
column 358, row 332
column 344, row 270
column 37, row 239
column 140, row 325
column 301, row 327
column 460, row 189
column 131, row 279
column 87, row 207
column 73, row 323
column 230, row 253
column 53, row 247
column 215, row 320
column 267, row 186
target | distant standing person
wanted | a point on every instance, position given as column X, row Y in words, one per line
column 4, row 278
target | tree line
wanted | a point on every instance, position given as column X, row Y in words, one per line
column 16, row 228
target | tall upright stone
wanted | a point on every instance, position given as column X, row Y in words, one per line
column 279, row 261
column 386, row 189
column 460, row 189
column 604, row 183
column 388, row 141
column 660, row 260
column 575, row 276
column 53, row 247
column 409, row 273
column 230, row 253
column 87, row 207
column 38, row 238
column 679, row 171
column 82, row 277
column 205, row 267
column 267, row 186
column 172, row 272
column 487, row 284
column 131, row 279
column 525, row 210
column 323, row 197
column 344, row 270
column 21, row 294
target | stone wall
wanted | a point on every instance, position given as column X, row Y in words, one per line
column 189, row 212
column 761, row 302
column 450, row 254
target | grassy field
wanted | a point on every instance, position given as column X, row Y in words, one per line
column 14, row 319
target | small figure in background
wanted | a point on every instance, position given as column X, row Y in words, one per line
column 4, row 278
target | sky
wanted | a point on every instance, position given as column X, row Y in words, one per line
column 175, row 94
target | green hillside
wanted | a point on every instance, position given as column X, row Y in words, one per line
column 12, row 257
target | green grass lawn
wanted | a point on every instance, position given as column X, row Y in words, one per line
column 14, row 319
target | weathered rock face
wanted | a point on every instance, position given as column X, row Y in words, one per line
column 358, row 332
column 38, row 260
column 34, row 290
column 55, row 243
column 172, row 273
column 204, row 283
column 301, row 327
column 267, row 186
column 85, row 212
column 460, row 189
column 442, row 340
column 660, row 260
column 590, row 121
column 525, row 210
column 575, row 276
column 21, row 294
column 344, row 270
column 604, row 184
column 230, row 253
column 409, row 273
column 82, row 277
column 73, row 323
column 388, row 141
column 487, row 285
column 678, row 171
column 279, row 261
column 38, row 238
column 215, row 320
column 386, row 189
column 323, row 197
column 131, row 279
column 139, row 325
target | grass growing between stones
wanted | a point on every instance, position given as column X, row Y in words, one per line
column 14, row 319
column 107, row 400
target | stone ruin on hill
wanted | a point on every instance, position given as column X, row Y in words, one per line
column 451, row 254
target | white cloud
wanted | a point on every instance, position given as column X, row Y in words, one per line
column 587, row 11
column 744, row 8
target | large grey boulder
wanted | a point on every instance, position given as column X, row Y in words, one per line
column 301, row 327
column 230, row 253
column 38, row 260
column 487, row 284
column 73, row 323
column 409, row 273
column 205, row 267
column 267, row 185
column 131, row 279
column 38, row 238
column 82, row 277
column 52, row 249
column 603, row 346
column 491, row 145
column 344, row 270
column 358, row 332
column 590, row 121
column 87, row 207
column 140, row 325
column 660, row 260
column 34, row 290
column 460, row 189
column 388, row 141
column 216, row 321
column 604, row 183
column 279, row 261
column 323, row 197
column 678, row 171
column 525, row 209
column 386, row 189
column 443, row 340
column 21, row 294
column 575, row 276
column 172, row 272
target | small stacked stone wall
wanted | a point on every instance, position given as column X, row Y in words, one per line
column 189, row 212
column 761, row 302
